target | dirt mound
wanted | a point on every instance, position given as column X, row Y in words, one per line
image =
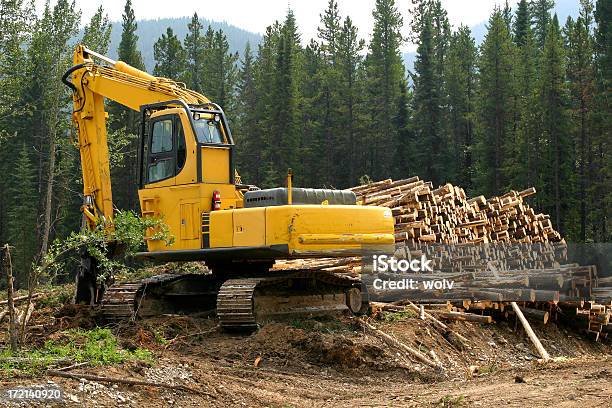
column 71, row 316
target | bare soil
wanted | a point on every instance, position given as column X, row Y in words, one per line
column 329, row 363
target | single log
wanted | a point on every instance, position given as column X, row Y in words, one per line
column 539, row 315
column 470, row 317
column 396, row 343
column 532, row 336
column 90, row 377
column 20, row 298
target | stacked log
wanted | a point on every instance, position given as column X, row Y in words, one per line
column 445, row 214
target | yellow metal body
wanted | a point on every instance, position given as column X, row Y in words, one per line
column 185, row 201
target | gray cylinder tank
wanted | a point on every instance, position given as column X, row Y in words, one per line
column 278, row 196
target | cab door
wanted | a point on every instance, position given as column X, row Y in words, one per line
column 164, row 158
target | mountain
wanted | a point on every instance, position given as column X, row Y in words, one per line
column 563, row 9
column 150, row 30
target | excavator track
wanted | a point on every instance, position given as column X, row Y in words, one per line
column 241, row 303
column 160, row 294
column 244, row 303
column 119, row 302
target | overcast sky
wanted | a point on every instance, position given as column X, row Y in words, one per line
column 257, row 15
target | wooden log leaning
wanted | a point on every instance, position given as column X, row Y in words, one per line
column 532, row 336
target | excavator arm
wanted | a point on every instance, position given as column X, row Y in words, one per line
column 126, row 85
column 91, row 83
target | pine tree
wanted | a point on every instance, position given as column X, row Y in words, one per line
column 226, row 73
column 22, row 213
column 313, row 141
column 15, row 28
column 264, row 83
column 430, row 102
column 350, row 91
column 284, row 135
column 558, row 153
column 50, row 56
column 194, row 49
column 329, row 33
column 124, row 124
column 580, row 73
column 427, row 106
column 245, row 132
column 128, row 46
column 601, row 173
column 522, row 23
column 96, row 35
column 540, row 13
column 495, row 106
column 169, row 56
column 404, row 145
column 385, row 71
column 461, row 87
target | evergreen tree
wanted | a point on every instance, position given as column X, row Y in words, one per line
column 50, row 56
column 96, row 35
column 313, row 141
column 580, row 73
column 351, row 112
column 124, row 123
column 461, row 80
column 225, row 74
column 128, row 46
column 264, row 84
column 169, row 56
column 540, row 13
column 15, row 34
column 430, row 102
column 329, row 34
column 22, row 213
column 245, row 132
column 525, row 167
column 385, row 71
column 427, row 105
column 495, row 105
column 522, row 23
column 558, row 150
column 601, row 173
column 404, row 146
column 194, row 49
column 284, row 135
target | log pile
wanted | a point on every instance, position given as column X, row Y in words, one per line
column 496, row 251
column 446, row 215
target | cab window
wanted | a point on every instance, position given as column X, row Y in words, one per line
column 161, row 141
column 208, row 130
column 168, row 151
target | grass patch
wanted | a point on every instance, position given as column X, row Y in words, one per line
column 449, row 401
column 399, row 316
column 98, row 347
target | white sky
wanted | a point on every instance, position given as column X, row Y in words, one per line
column 255, row 16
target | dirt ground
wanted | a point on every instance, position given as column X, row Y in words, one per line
column 332, row 362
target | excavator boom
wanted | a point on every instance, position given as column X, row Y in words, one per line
column 126, row 85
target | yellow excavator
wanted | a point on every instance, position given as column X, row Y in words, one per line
column 187, row 178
